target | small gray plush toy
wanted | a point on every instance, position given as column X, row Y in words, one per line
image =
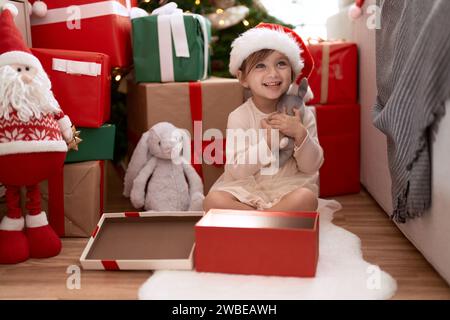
column 158, row 178
column 291, row 102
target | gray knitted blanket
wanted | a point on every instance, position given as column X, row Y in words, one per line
column 413, row 82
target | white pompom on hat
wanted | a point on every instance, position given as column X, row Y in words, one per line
column 355, row 10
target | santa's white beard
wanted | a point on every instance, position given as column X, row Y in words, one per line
column 28, row 99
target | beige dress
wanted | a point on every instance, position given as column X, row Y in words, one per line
column 253, row 183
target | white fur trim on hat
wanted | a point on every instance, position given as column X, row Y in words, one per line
column 257, row 39
column 20, row 57
column 36, row 221
column 10, row 224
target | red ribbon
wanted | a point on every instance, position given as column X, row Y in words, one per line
column 196, row 105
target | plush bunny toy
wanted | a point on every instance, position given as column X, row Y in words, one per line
column 291, row 102
column 158, row 178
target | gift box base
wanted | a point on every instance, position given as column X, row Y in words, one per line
column 259, row 243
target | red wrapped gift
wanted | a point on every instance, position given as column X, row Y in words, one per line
column 335, row 75
column 87, row 25
column 338, row 128
column 81, row 83
column 257, row 242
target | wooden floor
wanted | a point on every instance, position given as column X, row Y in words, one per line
column 382, row 244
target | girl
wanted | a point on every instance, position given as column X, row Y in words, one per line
column 266, row 60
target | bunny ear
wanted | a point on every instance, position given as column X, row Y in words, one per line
column 303, row 88
column 139, row 158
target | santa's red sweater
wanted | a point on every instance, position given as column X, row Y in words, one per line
column 35, row 135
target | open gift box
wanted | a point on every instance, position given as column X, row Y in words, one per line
column 142, row 241
column 258, row 242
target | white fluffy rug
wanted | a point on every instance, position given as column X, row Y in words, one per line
column 342, row 273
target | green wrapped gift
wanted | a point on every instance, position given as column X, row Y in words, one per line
column 97, row 144
column 169, row 48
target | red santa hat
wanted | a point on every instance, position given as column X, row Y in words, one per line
column 13, row 49
column 275, row 37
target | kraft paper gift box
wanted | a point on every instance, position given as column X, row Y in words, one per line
column 257, row 242
column 83, row 197
column 182, row 103
column 81, row 83
column 97, row 144
column 338, row 129
column 334, row 78
column 86, row 25
column 170, row 48
column 142, row 241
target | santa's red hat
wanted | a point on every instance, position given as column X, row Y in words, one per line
column 13, row 49
column 275, row 37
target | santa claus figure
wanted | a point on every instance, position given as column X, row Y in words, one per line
column 34, row 133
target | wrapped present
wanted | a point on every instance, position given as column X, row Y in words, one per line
column 335, row 75
column 257, row 242
column 170, row 48
column 83, row 187
column 207, row 103
column 97, row 144
column 338, row 129
column 86, row 25
column 81, row 83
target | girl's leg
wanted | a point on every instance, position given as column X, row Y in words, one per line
column 223, row 200
column 301, row 199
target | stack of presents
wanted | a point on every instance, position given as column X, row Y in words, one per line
column 172, row 83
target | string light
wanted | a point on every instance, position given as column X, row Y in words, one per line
column 221, row 22
column 245, row 23
column 118, row 73
column 219, row 11
column 147, row 1
column 197, row 2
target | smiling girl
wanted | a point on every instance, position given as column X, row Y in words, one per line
column 267, row 60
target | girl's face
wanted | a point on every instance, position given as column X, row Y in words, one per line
column 269, row 78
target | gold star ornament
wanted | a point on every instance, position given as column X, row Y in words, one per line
column 76, row 140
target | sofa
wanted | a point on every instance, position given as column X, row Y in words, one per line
column 430, row 234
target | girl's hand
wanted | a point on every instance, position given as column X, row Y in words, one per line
column 265, row 125
column 290, row 126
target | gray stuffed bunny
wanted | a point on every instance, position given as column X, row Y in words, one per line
column 291, row 102
column 158, row 178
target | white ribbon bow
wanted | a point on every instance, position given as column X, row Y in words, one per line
column 170, row 26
